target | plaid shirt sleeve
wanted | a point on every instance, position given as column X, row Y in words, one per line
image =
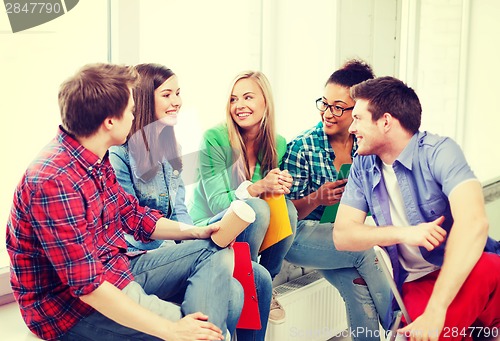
column 139, row 221
column 296, row 163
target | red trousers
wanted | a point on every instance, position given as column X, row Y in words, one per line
column 475, row 309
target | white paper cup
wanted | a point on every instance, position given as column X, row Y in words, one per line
column 237, row 217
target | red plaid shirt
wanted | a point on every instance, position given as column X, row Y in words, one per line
column 65, row 235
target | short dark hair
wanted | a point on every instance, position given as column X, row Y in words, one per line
column 94, row 93
column 390, row 95
column 353, row 71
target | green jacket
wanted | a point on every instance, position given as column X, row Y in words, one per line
column 216, row 184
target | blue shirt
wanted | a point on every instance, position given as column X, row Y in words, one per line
column 309, row 159
column 427, row 170
column 165, row 190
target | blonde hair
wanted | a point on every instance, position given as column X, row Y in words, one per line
column 266, row 138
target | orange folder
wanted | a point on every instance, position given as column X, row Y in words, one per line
column 279, row 225
column 243, row 272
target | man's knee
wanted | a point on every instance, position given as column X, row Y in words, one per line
column 224, row 259
column 488, row 266
column 236, row 292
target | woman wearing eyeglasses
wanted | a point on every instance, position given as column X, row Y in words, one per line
column 314, row 159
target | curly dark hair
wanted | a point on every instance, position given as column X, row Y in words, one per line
column 353, row 71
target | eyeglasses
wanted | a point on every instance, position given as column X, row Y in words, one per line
column 334, row 109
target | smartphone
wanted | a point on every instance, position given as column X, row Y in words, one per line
column 330, row 212
column 344, row 171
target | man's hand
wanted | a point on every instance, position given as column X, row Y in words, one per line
column 195, row 327
column 426, row 327
column 330, row 192
column 429, row 235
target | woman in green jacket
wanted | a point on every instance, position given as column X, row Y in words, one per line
column 240, row 160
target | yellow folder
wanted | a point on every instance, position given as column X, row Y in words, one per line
column 279, row 224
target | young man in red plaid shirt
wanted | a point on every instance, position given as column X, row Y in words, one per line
column 70, row 270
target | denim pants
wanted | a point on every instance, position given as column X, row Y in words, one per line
column 196, row 274
column 264, row 287
column 313, row 248
column 272, row 257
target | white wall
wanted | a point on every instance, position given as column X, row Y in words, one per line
column 482, row 88
column 296, row 46
column 303, row 45
column 33, row 64
column 298, row 56
column 438, row 61
column 205, row 43
column 451, row 63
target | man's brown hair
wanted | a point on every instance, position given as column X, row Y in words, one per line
column 390, row 95
column 94, row 93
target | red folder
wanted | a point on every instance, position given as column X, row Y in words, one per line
column 250, row 317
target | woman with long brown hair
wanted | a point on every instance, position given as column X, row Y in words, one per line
column 149, row 164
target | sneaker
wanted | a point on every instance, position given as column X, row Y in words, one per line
column 277, row 313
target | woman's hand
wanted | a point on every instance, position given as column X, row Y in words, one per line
column 329, row 193
column 286, row 181
column 275, row 182
column 271, row 182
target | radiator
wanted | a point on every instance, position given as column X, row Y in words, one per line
column 314, row 310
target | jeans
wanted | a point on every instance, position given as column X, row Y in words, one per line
column 272, row 257
column 313, row 247
column 196, row 274
column 264, row 287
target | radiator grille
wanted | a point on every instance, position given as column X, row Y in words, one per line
column 314, row 310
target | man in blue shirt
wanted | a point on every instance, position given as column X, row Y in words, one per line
column 315, row 159
column 425, row 200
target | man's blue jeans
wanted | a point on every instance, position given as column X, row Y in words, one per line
column 313, row 248
column 196, row 274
